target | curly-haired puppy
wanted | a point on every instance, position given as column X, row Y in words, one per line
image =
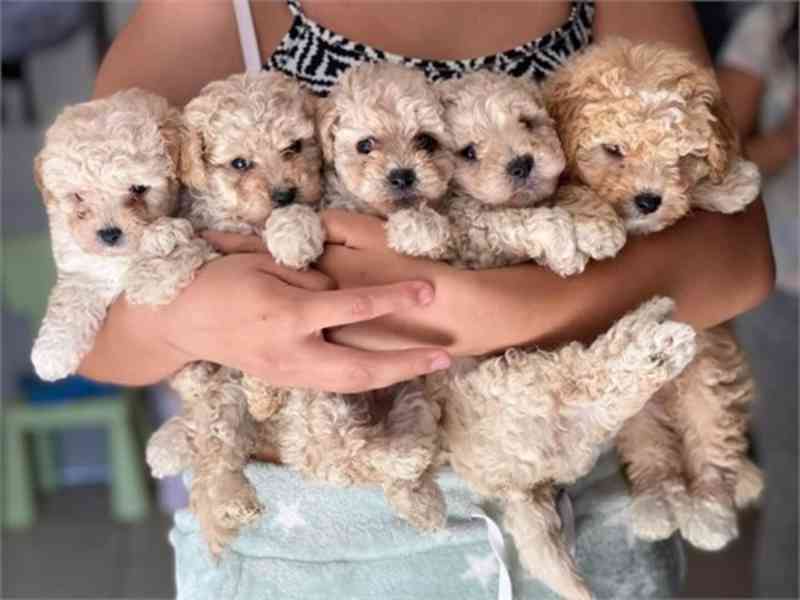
column 515, row 425
column 645, row 130
column 108, row 176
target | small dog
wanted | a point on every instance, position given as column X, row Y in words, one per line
column 108, row 176
column 251, row 158
column 515, row 425
column 646, row 131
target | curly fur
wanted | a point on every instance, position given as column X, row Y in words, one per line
column 647, row 119
column 108, row 164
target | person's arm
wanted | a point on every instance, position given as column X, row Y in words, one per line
column 244, row 311
column 714, row 266
column 770, row 150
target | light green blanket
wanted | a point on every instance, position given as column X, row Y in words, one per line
column 316, row 542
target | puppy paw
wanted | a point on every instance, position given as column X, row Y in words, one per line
column 749, row 484
column 418, row 232
column 295, row 236
column 238, row 510
column 554, row 243
column 53, row 361
column 164, row 235
column 168, row 450
column 420, row 503
column 737, row 190
column 652, row 517
column 599, row 238
column 708, row 524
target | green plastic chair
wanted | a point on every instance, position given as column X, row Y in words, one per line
column 27, row 275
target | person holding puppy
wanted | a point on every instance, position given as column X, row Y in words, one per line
column 378, row 331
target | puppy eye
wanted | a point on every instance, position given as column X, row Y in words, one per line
column 241, row 164
column 469, row 153
column 426, row 142
column 138, row 190
column 365, row 146
column 295, row 148
column 613, row 150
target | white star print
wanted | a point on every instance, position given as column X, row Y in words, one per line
column 289, row 517
column 482, row 569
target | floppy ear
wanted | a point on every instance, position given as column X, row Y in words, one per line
column 192, row 167
column 170, row 130
column 48, row 198
column 724, row 144
column 327, row 121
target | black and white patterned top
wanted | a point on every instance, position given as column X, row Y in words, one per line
column 318, row 56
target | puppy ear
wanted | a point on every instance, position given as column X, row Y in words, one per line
column 724, row 144
column 170, row 130
column 327, row 122
column 38, row 178
column 564, row 102
column 191, row 164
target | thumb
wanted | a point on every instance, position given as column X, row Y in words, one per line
column 354, row 230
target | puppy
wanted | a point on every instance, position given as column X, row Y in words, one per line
column 386, row 150
column 515, row 425
column 250, row 157
column 646, row 132
column 108, row 176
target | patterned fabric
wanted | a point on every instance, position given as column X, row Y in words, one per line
column 317, row 56
column 318, row 542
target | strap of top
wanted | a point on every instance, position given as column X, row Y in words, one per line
column 247, row 36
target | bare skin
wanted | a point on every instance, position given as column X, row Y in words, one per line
column 714, row 266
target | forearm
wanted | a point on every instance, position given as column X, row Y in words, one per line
column 130, row 348
column 714, row 266
column 770, row 151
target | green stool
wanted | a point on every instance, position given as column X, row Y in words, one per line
column 27, row 276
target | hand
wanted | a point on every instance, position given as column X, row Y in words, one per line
column 247, row 312
column 357, row 255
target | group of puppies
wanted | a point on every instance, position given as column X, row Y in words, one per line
column 482, row 171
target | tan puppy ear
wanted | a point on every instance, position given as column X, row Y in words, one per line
column 724, row 144
column 48, row 198
column 170, row 130
column 327, row 121
column 192, row 166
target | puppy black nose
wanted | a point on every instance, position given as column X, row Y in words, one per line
column 647, row 202
column 520, row 167
column 283, row 196
column 109, row 235
column 402, row 179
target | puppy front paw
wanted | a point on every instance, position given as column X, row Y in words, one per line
column 652, row 517
column 295, row 236
column 555, row 238
column 53, row 360
column 164, row 235
column 599, row 238
column 418, row 232
column 708, row 524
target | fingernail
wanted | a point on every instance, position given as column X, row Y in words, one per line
column 440, row 362
column 425, row 295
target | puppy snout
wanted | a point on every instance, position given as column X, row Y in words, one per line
column 109, row 235
column 402, row 179
column 520, row 167
column 283, row 196
column 647, row 202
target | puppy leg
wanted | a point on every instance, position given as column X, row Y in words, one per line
column 599, row 230
column 169, row 259
column 650, row 451
column 535, row 525
column 221, row 497
column 420, row 232
column 295, row 236
column 169, row 449
column 711, row 414
column 75, row 311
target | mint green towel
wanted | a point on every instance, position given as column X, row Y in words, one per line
column 316, row 542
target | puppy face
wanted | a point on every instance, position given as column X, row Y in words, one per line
column 641, row 125
column 249, row 146
column 109, row 168
column 508, row 152
column 383, row 132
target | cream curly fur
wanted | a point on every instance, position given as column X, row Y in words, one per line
column 106, row 165
column 646, row 119
column 503, row 418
